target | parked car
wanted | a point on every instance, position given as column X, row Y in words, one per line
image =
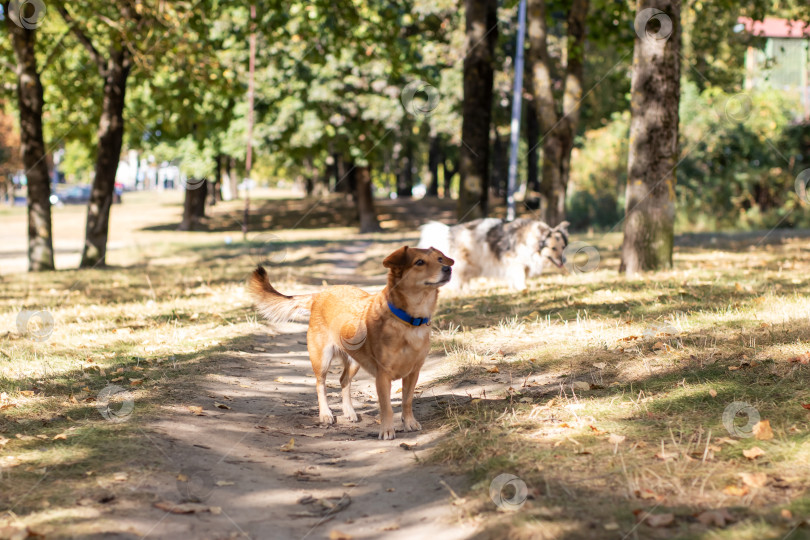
column 81, row 194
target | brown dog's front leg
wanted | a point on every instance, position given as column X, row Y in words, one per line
column 409, row 422
column 386, row 412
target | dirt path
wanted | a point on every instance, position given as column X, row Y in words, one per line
column 232, row 458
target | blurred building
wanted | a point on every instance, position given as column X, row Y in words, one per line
column 781, row 60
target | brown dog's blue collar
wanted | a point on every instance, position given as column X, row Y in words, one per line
column 403, row 315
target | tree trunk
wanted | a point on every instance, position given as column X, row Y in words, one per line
column 194, row 204
column 532, row 133
column 342, row 183
column 405, row 172
column 434, row 158
column 233, row 183
column 482, row 33
column 365, row 201
column 653, row 152
column 500, row 164
column 216, row 192
column 108, row 154
column 449, row 173
column 557, row 130
column 30, row 101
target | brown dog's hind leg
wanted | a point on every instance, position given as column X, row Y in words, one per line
column 350, row 368
column 409, row 422
column 386, row 412
column 321, row 369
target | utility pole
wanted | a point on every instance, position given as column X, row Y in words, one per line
column 517, row 102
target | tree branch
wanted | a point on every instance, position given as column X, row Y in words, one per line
column 83, row 39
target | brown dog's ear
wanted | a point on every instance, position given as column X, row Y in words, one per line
column 397, row 259
column 563, row 226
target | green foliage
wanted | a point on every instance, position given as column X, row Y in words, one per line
column 743, row 152
column 740, row 152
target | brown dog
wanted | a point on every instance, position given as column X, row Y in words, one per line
column 386, row 333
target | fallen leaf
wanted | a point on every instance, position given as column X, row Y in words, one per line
column 224, row 483
column 801, row 359
column 735, row 491
column 659, row 520
column 3, row 441
column 724, row 440
column 289, row 447
column 754, row 480
column 733, row 368
column 391, row 490
column 196, row 409
column 762, row 430
column 338, row 535
column 754, row 452
column 713, row 392
column 715, row 518
column 182, row 477
column 493, row 369
column 349, row 484
column 135, row 382
column 648, row 494
column 120, row 476
column 117, row 379
column 219, row 405
column 600, row 365
column 611, row 526
column 666, row 456
column 806, row 405
column 787, row 514
column 60, row 437
column 27, row 393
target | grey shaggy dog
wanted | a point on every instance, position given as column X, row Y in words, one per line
column 512, row 251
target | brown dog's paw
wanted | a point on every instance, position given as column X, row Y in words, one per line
column 328, row 419
column 387, row 434
column 411, row 424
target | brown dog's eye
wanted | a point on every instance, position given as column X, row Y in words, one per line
column 420, row 262
column 441, row 260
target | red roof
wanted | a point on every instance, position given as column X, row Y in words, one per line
column 777, row 28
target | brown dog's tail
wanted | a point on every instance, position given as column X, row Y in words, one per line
column 274, row 306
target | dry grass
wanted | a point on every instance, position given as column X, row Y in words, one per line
column 585, row 360
column 662, row 356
